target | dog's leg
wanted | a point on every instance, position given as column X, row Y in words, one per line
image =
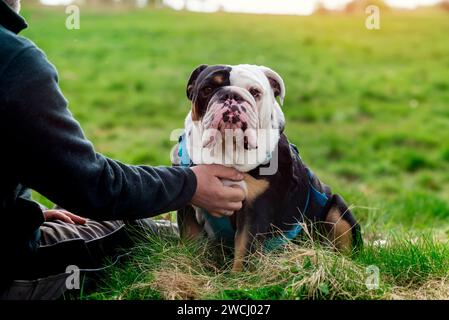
column 248, row 228
column 241, row 244
column 243, row 237
column 189, row 227
column 249, row 237
column 338, row 230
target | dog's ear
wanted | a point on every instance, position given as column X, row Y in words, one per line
column 276, row 82
column 192, row 79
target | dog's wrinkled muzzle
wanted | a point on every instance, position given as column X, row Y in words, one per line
column 237, row 116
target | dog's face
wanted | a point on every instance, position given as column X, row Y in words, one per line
column 241, row 97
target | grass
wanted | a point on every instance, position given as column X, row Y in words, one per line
column 167, row 268
column 368, row 110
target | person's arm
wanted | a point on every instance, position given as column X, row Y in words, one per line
column 48, row 148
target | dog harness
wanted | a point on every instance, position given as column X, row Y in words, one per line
column 222, row 226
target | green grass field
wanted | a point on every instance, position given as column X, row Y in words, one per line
column 369, row 111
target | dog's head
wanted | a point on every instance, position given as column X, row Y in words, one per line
column 241, row 97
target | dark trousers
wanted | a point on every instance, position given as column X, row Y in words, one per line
column 67, row 251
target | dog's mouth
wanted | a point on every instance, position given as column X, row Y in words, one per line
column 231, row 113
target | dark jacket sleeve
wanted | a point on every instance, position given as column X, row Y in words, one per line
column 47, row 147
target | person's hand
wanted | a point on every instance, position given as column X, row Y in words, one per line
column 63, row 215
column 212, row 195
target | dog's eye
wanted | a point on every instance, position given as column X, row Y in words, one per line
column 255, row 92
column 207, row 90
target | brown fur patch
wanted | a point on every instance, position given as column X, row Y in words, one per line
column 340, row 230
column 240, row 249
column 195, row 115
column 255, row 187
column 218, row 79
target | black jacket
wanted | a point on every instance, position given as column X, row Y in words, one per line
column 44, row 148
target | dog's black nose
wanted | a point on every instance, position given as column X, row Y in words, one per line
column 231, row 95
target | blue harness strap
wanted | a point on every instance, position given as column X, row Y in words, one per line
column 319, row 197
column 182, row 152
column 222, row 226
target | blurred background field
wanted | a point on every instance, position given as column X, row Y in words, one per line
column 368, row 109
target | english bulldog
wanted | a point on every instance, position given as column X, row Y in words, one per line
column 236, row 120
